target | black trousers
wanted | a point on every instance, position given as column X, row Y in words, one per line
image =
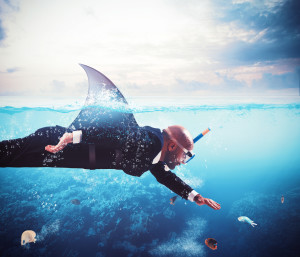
column 30, row 152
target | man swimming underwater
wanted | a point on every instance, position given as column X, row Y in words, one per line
column 106, row 139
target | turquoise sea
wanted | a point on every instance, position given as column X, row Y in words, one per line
column 249, row 160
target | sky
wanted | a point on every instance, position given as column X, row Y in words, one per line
column 150, row 48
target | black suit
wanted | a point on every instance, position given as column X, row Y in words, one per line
column 131, row 149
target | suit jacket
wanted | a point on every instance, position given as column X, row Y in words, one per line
column 138, row 147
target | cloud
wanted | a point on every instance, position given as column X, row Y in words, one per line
column 12, row 4
column 192, row 85
column 263, row 75
column 257, row 78
column 133, row 86
column 185, row 47
column 2, row 33
column 226, row 84
column 262, row 51
column 6, row 6
column 12, row 70
column 57, row 85
column 184, row 244
column 5, row 92
column 276, row 25
column 282, row 81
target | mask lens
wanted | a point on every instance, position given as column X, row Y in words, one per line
column 189, row 156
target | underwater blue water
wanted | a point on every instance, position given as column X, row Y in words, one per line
column 247, row 162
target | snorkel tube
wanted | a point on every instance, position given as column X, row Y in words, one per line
column 196, row 139
column 201, row 135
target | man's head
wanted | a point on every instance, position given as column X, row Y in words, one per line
column 177, row 141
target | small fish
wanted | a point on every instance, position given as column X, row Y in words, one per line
column 247, row 220
column 28, row 236
column 75, row 201
column 282, row 199
column 211, row 243
column 173, row 199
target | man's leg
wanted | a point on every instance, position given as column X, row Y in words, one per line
column 83, row 156
column 29, row 151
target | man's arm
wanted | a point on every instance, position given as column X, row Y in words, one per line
column 178, row 186
column 170, row 180
column 109, row 137
column 64, row 140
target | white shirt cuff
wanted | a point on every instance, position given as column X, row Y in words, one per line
column 166, row 167
column 192, row 195
column 77, row 136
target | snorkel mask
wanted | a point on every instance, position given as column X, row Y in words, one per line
column 189, row 155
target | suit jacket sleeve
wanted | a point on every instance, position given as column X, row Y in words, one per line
column 170, row 180
column 104, row 136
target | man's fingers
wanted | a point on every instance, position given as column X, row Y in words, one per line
column 55, row 148
column 214, row 205
column 217, row 207
column 48, row 147
column 52, row 148
column 210, row 203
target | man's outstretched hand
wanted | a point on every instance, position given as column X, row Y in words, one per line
column 64, row 140
column 200, row 200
